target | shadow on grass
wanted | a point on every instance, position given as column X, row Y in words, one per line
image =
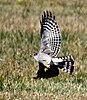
column 51, row 72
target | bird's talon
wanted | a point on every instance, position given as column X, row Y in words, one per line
column 45, row 69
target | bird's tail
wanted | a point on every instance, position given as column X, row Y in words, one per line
column 66, row 63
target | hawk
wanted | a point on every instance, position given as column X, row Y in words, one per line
column 51, row 43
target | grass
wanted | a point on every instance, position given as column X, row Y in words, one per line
column 19, row 40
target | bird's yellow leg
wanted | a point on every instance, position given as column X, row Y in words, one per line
column 45, row 69
column 46, row 65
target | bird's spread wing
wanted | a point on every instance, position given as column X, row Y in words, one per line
column 50, row 35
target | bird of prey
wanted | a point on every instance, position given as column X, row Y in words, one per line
column 51, row 43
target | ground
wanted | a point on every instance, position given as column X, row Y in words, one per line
column 19, row 41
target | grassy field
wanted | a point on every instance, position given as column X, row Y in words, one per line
column 19, row 40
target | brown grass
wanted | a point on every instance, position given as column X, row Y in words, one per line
column 19, row 40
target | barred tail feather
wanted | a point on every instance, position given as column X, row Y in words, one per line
column 66, row 63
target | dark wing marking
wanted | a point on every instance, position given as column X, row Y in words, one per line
column 50, row 35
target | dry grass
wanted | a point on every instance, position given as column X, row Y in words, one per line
column 19, row 40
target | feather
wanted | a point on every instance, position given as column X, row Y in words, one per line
column 50, row 35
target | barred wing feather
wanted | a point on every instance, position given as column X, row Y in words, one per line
column 50, row 35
